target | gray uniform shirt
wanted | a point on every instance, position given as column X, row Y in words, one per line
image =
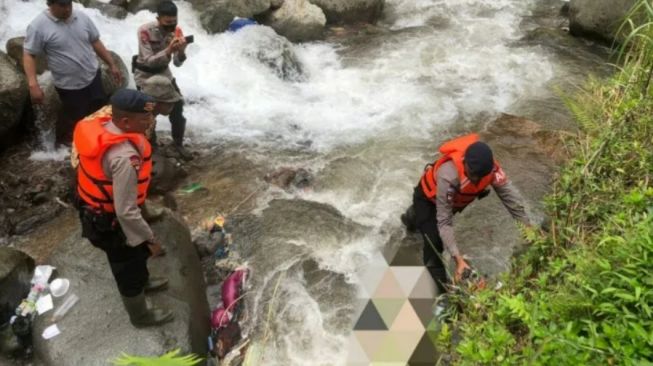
column 152, row 42
column 121, row 163
column 447, row 177
column 68, row 46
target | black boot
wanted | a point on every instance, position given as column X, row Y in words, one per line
column 141, row 315
column 408, row 219
column 178, row 122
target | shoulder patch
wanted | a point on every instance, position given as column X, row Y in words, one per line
column 145, row 35
column 135, row 160
column 500, row 177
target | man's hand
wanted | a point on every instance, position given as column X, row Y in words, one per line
column 173, row 47
column 182, row 45
column 155, row 248
column 461, row 266
column 36, row 94
column 115, row 72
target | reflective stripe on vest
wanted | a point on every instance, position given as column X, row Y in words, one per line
column 466, row 191
column 91, row 140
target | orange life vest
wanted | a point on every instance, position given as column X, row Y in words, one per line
column 91, row 140
column 463, row 194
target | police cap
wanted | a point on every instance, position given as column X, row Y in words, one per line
column 130, row 100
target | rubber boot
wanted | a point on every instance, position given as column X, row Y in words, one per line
column 408, row 219
column 141, row 315
column 155, row 283
column 178, row 127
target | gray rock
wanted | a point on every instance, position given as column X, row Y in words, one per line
column 134, row 6
column 597, row 18
column 274, row 51
column 350, row 11
column 97, row 328
column 120, row 3
column 15, row 274
column 215, row 15
column 297, row 20
column 13, row 96
column 109, row 10
column 108, row 83
column 166, row 174
column 15, row 51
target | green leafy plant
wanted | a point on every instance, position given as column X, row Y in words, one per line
column 171, row 358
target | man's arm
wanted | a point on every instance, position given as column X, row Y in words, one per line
column 102, row 52
column 125, row 192
column 29, row 65
column 147, row 55
column 32, row 46
column 510, row 197
column 447, row 176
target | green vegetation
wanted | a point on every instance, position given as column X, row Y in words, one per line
column 169, row 359
column 582, row 294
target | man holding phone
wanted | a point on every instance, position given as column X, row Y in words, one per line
column 158, row 43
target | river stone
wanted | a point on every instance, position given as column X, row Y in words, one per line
column 134, row 6
column 15, row 274
column 166, row 174
column 350, row 11
column 15, row 51
column 13, row 96
column 598, row 18
column 108, row 83
column 273, row 51
column 109, row 10
column 297, row 20
column 215, row 15
column 97, row 328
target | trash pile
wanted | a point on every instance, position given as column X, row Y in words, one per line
column 228, row 340
column 39, row 301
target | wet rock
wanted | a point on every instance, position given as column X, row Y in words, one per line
column 108, row 82
column 15, row 274
column 297, row 20
column 134, row 6
column 599, row 19
column 274, row 51
column 13, row 96
column 120, row 3
column 98, row 323
column 166, row 174
column 350, row 11
column 290, row 178
column 33, row 218
column 15, row 51
column 109, row 10
column 215, row 15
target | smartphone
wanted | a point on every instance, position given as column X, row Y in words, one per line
column 190, row 39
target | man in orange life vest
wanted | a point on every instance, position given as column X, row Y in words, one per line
column 462, row 174
column 113, row 162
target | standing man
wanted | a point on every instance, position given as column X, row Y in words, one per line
column 158, row 43
column 114, row 162
column 70, row 41
column 463, row 173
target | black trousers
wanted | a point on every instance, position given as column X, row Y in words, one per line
column 177, row 120
column 77, row 104
column 426, row 222
column 128, row 264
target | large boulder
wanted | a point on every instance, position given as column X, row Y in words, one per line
column 134, row 6
column 598, row 18
column 97, row 328
column 15, row 51
column 350, row 11
column 108, row 82
column 109, row 10
column 13, row 96
column 215, row 15
column 15, row 274
column 297, row 20
column 273, row 51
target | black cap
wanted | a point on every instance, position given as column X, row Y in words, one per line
column 130, row 100
column 479, row 159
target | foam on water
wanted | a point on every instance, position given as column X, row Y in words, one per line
column 443, row 61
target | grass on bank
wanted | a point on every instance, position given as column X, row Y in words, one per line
column 582, row 294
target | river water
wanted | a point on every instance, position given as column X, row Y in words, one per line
column 367, row 113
